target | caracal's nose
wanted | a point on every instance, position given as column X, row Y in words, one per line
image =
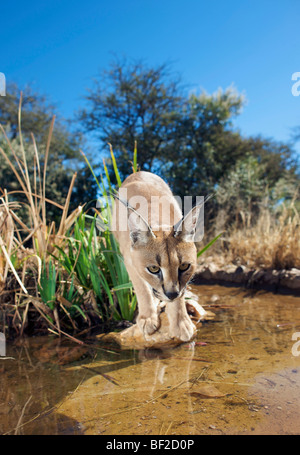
column 172, row 295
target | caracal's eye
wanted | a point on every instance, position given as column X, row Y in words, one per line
column 183, row 267
column 153, row 269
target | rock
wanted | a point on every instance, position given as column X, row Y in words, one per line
column 271, row 277
column 195, row 310
column 221, row 275
column 241, row 274
column 258, row 275
column 281, row 280
column 132, row 338
column 230, row 268
column 291, row 279
column 213, row 268
column 205, row 273
column 240, row 269
column 207, row 391
column 60, row 355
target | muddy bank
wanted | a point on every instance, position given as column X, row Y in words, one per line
column 284, row 281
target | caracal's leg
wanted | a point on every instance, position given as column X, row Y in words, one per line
column 148, row 318
column 180, row 323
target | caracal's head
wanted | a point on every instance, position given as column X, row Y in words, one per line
column 165, row 259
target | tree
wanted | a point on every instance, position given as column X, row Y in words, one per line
column 241, row 191
column 277, row 158
column 64, row 159
column 203, row 146
column 133, row 102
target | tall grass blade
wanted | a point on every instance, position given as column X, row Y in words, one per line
column 208, row 245
column 135, row 165
column 119, row 182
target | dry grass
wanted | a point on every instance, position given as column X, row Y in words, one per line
column 15, row 259
column 273, row 242
column 7, row 240
column 43, row 235
column 69, row 279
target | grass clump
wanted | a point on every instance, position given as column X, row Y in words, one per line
column 65, row 280
column 272, row 243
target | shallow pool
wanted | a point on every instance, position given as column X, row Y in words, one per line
column 240, row 376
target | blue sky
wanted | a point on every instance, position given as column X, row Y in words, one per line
column 59, row 46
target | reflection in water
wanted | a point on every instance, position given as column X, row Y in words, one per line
column 238, row 376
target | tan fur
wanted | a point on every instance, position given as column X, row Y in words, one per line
column 157, row 248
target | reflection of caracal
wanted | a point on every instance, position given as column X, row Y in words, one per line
column 160, row 256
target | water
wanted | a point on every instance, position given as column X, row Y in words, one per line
column 238, row 377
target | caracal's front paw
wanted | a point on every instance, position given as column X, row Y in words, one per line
column 148, row 324
column 183, row 330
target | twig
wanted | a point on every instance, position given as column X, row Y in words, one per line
column 22, row 415
column 106, row 376
column 67, row 335
column 204, row 370
column 11, row 266
column 168, row 429
column 196, row 359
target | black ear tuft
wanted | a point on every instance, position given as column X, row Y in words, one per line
column 140, row 238
column 186, row 228
column 140, row 231
column 134, row 235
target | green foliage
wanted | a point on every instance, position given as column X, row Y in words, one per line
column 117, row 283
column 98, row 267
column 242, row 190
column 47, row 286
column 79, row 258
column 72, row 298
column 245, row 191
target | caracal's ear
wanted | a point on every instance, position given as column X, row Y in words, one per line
column 140, row 231
column 185, row 228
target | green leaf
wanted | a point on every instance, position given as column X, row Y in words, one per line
column 122, row 286
column 115, row 166
column 208, row 245
column 135, row 169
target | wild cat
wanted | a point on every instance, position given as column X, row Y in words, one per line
column 158, row 248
